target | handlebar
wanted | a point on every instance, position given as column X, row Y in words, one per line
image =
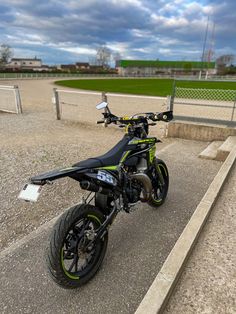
column 165, row 116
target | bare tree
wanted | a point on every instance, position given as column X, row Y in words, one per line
column 103, row 56
column 5, row 54
column 116, row 56
column 225, row 60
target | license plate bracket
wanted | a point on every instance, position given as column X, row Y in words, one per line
column 30, row 192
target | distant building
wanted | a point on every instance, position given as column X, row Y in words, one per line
column 67, row 67
column 151, row 67
column 96, row 67
column 82, row 65
column 24, row 64
column 44, row 68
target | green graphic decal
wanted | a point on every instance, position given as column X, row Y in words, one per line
column 152, row 153
column 108, row 168
column 124, row 156
column 65, row 271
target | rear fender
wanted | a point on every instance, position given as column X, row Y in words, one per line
column 44, row 178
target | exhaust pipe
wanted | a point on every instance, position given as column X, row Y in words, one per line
column 147, row 185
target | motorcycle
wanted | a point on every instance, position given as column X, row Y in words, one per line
column 127, row 174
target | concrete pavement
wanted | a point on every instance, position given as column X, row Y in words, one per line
column 208, row 283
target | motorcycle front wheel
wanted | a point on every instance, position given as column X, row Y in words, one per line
column 72, row 258
column 159, row 185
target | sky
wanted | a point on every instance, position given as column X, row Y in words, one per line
column 70, row 31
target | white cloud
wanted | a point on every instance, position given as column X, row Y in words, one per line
column 136, row 3
column 143, row 50
column 134, row 28
column 79, row 50
column 165, row 51
column 140, row 33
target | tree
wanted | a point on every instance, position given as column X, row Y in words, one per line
column 225, row 60
column 116, row 56
column 103, row 56
column 5, row 54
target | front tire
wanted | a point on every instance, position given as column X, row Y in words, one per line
column 70, row 259
column 160, row 189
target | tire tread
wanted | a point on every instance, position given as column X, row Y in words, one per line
column 56, row 239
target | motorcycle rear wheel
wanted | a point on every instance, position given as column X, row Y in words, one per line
column 159, row 191
column 70, row 261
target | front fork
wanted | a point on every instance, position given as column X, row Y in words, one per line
column 154, row 163
column 160, row 175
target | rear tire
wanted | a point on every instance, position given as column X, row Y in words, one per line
column 67, row 247
column 159, row 191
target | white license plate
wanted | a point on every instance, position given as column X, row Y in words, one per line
column 30, row 192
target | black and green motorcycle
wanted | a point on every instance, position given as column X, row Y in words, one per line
column 127, row 174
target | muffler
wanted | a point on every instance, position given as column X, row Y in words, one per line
column 147, row 185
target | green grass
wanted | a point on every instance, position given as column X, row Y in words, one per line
column 150, row 87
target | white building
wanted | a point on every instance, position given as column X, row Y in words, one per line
column 25, row 64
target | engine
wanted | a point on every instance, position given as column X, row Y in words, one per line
column 139, row 188
column 133, row 191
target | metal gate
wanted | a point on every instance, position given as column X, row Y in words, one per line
column 10, row 100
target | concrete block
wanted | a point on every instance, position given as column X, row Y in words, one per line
column 210, row 152
column 199, row 132
column 224, row 150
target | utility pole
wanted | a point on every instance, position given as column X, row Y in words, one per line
column 212, row 46
column 204, row 47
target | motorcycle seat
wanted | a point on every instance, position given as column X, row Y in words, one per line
column 111, row 158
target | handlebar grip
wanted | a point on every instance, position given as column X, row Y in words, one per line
column 100, row 121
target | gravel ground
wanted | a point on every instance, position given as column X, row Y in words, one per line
column 35, row 142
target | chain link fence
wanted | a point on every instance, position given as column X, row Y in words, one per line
column 213, row 106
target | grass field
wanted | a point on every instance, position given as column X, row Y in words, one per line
column 151, row 87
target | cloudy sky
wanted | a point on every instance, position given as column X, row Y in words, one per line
column 71, row 30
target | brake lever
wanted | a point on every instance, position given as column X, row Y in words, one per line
column 106, row 122
column 151, row 116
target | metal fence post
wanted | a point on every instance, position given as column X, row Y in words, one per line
column 168, row 103
column 232, row 116
column 104, row 96
column 57, row 103
column 18, row 99
column 172, row 97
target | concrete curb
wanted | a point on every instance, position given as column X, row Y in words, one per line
column 162, row 286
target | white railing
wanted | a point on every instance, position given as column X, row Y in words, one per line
column 73, row 100
column 10, row 100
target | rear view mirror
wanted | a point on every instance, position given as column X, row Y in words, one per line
column 102, row 105
column 165, row 116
